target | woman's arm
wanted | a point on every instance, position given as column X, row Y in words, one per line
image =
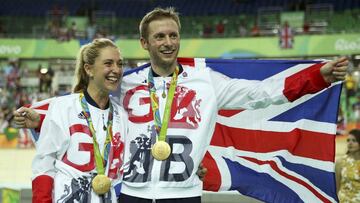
column 338, row 168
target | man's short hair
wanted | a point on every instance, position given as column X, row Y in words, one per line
column 157, row 14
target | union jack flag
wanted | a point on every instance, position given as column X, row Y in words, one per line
column 282, row 153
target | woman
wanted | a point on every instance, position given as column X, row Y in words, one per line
column 65, row 160
column 81, row 139
column 347, row 170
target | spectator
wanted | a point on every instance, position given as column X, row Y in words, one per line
column 9, row 67
column 24, row 71
column 220, row 28
column 242, row 29
column 41, row 72
column 286, row 36
column 347, row 170
column 91, row 30
column 207, row 30
column 255, row 31
column 73, row 30
column 341, row 122
column 4, row 123
column 63, row 34
column 350, row 85
column 22, row 100
column 49, row 77
column 306, row 27
column 2, row 80
column 54, row 29
column 12, row 75
column 355, row 114
column 2, row 30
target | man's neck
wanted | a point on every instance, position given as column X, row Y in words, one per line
column 163, row 71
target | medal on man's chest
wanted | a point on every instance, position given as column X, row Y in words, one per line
column 161, row 150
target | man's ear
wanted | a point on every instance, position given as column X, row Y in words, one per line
column 144, row 43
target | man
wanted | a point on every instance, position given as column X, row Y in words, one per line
column 172, row 112
column 160, row 165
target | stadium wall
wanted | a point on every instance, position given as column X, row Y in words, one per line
column 254, row 47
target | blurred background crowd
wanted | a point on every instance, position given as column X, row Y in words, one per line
column 25, row 80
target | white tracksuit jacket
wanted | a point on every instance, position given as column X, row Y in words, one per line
column 64, row 159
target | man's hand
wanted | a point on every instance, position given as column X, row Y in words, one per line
column 26, row 118
column 335, row 70
column 201, row 172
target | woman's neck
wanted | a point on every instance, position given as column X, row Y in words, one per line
column 101, row 98
column 355, row 155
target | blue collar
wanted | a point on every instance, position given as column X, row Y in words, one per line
column 157, row 75
column 92, row 102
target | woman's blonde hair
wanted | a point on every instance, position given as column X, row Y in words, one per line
column 88, row 54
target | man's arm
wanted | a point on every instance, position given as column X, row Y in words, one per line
column 26, row 117
column 32, row 116
column 254, row 94
column 314, row 79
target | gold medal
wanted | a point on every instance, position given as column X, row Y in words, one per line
column 161, row 150
column 101, row 184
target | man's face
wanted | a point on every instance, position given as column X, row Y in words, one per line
column 163, row 42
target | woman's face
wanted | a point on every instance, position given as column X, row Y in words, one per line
column 352, row 144
column 107, row 70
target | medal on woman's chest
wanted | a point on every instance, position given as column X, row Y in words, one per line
column 101, row 184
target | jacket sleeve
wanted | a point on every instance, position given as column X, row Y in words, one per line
column 42, row 107
column 51, row 144
column 253, row 94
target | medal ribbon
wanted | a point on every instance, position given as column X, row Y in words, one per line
column 162, row 127
column 100, row 160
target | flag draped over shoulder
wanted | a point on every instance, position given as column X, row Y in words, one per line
column 282, row 153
